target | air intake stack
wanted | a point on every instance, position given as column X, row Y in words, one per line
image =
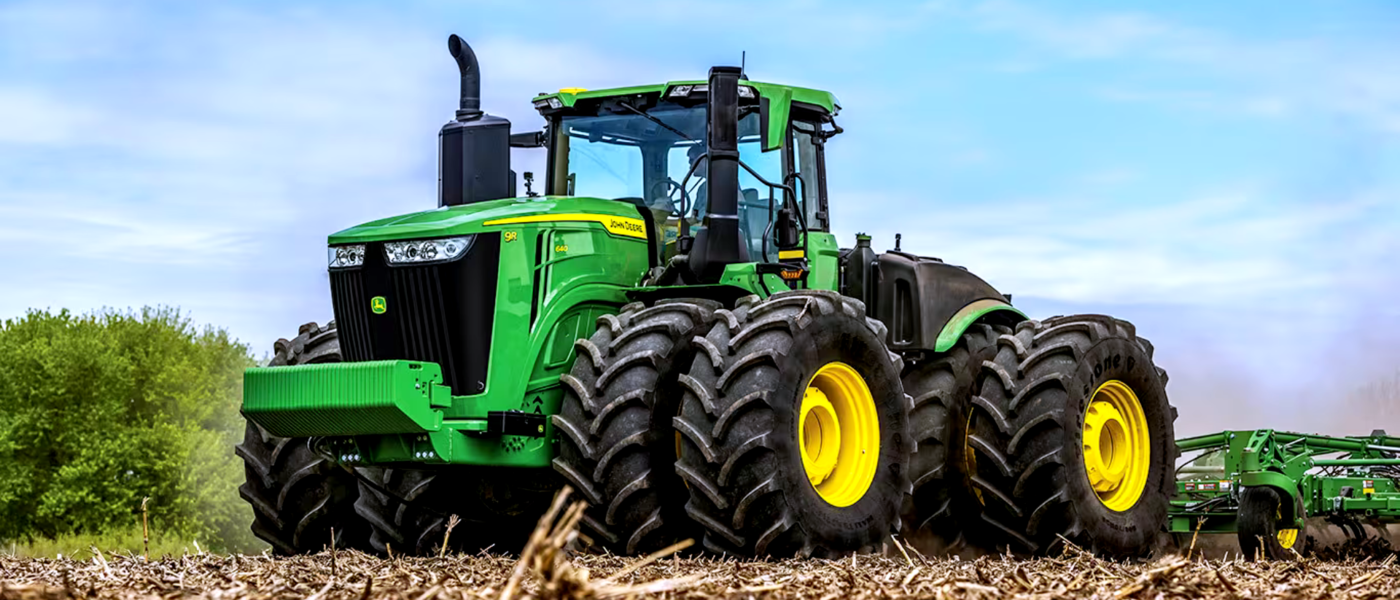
column 720, row 244
column 473, row 149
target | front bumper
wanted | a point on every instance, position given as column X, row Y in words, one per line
column 392, row 411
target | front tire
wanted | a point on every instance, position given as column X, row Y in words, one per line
column 298, row 496
column 408, row 509
column 1072, row 435
column 766, row 471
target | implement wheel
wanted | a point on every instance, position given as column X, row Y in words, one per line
column 1264, row 530
column 618, row 447
column 794, row 429
column 299, row 496
column 1071, row 435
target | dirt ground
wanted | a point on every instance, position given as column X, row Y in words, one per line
column 547, row 569
column 351, row 575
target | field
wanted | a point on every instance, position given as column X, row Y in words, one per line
column 352, row 575
column 547, row 570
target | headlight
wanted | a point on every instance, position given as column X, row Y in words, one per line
column 425, row 251
column 346, row 256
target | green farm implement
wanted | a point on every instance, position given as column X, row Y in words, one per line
column 672, row 329
column 1264, row 485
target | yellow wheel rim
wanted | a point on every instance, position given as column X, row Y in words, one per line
column 1286, row 537
column 1117, row 446
column 839, row 434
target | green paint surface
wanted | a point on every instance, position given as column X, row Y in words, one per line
column 826, row 100
column 390, row 396
column 953, row 330
column 472, row 218
column 1287, row 462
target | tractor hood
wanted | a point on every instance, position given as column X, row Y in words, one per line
column 481, row 216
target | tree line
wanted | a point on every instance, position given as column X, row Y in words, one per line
column 99, row 411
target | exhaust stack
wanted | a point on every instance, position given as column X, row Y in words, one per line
column 474, row 148
column 470, row 105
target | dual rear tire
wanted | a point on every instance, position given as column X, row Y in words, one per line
column 1071, row 436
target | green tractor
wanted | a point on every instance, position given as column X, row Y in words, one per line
column 672, row 329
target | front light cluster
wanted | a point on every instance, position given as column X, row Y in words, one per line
column 425, row 251
column 347, row 256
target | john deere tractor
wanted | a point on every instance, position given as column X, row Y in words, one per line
column 672, row 329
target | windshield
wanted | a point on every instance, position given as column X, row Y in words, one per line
column 644, row 159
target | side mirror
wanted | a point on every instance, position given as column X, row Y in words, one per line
column 786, row 226
column 774, row 106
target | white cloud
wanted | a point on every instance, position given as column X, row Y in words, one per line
column 1238, row 245
column 37, row 117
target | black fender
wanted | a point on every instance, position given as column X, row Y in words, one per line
column 927, row 303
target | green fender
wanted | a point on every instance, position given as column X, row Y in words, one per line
column 1283, row 483
column 966, row 316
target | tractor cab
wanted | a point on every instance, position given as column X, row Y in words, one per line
column 719, row 180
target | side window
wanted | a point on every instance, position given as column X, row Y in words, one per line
column 805, row 164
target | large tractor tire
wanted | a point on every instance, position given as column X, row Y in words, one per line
column 408, row 510
column 1261, row 526
column 1072, row 435
column 299, row 496
column 618, row 447
column 795, row 429
column 942, row 393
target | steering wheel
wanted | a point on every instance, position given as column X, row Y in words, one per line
column 671, row 187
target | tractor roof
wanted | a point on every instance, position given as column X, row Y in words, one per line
column 567, row 96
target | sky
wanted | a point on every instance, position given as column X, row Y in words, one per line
column 1224, row 175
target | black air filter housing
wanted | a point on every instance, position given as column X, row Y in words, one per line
column 474, row 161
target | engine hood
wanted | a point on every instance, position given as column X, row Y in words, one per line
column 473, row 218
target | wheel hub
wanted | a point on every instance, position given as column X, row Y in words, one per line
column 1117, row 445
column 821, row 436
column 839, row 434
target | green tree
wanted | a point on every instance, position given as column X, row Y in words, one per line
column 98, row 411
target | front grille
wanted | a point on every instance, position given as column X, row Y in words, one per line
column 421, row 315
column 441, row 313
column 351, row 313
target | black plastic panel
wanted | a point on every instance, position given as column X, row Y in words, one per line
column 916, row 296
column 441, row 313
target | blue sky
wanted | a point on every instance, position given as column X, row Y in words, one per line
column 1226, row 175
